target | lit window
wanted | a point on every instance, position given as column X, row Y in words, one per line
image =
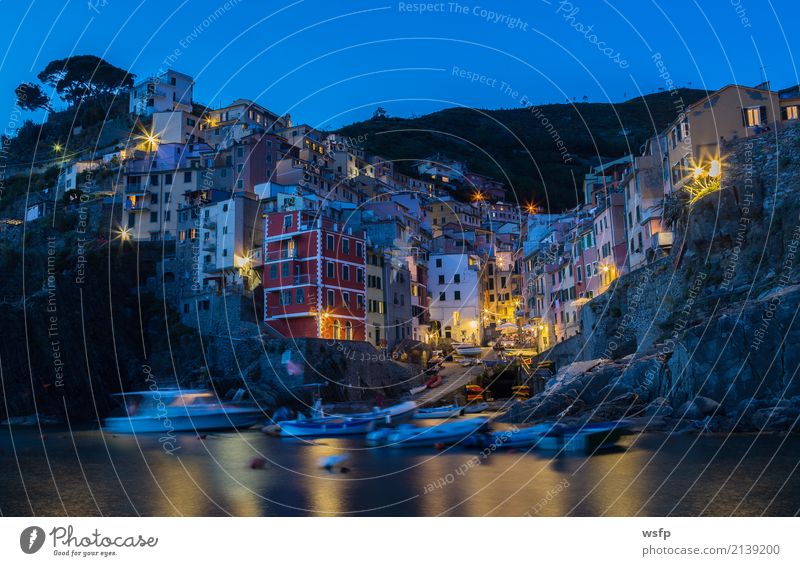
column 754, row 115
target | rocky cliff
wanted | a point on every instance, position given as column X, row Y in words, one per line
column 79, row 325
column 708, row 333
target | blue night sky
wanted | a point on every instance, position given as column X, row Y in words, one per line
column 331, row 63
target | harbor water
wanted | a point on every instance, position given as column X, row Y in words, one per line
column 87, row 472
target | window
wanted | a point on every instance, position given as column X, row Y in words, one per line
column 287, row 221
column 790, row 113
column 346, row 272
column 187, row 176
column 442, row 296
column 330, row 270
column 457, row 295
column 331, row 298
column 360, row 275
column 286, row 297
column 345, row 246
column 285, row 269
column 167, row 196
column 438, row 262
column 360, row 302
column 154, row 180
column 154, row 217
column 299, row 296
column 167, row 216
column 346, row 299
column 273, row 271
column 153, row 198
column 359, row 249
column 441, row 280
column 329, row 242
column 755, row 116
column 240, row 184
column 457, row 278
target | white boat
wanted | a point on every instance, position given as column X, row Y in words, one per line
column 447, row 433
column 345, row 424
column 443, row 412
column 178, row 410
column 468, row 349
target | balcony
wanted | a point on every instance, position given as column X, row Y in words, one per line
column 137, row 205
column 301, row 280
column 280, row 255
column 209, row 246
column 135, row 189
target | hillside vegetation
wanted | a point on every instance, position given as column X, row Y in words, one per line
column 519, row 146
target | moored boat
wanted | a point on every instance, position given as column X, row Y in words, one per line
column 472, row 408
column 447, row 433
column 443, row 412
column 346, row 424
column 178, row 410
column 527, row 437
column 584, row 439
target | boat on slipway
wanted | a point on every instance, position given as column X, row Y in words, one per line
column 178, row 410
column 467, row 349
column 346, row 424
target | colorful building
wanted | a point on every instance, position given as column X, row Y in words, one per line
column 314, row 276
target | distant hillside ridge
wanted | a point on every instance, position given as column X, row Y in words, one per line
column 540, row 152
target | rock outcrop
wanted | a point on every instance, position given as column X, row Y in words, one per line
column 708, row 333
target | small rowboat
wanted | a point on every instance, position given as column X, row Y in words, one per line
column 584, row 439
column 445, row 433
column 434, row 381
column 468, row 350
column 356, row 423
column 471, row 408
column 527, row 437
column 444, row 412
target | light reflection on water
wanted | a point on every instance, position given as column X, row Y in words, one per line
column 212, row 476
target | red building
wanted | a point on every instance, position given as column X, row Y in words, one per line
column 314, row 277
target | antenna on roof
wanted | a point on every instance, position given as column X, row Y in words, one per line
column 763, row 69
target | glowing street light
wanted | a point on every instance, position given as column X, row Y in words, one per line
column 531, row 208
column 478, row 197
column 715, row 169
column 58, row 148
column 148, row 138
column 124, row 234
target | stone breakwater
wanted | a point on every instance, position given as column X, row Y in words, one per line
column 703, row 339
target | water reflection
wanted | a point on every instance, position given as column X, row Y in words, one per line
column 654, row 475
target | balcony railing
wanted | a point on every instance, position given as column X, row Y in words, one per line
column 135, row 189
column 138, row 205
column 279, row 255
